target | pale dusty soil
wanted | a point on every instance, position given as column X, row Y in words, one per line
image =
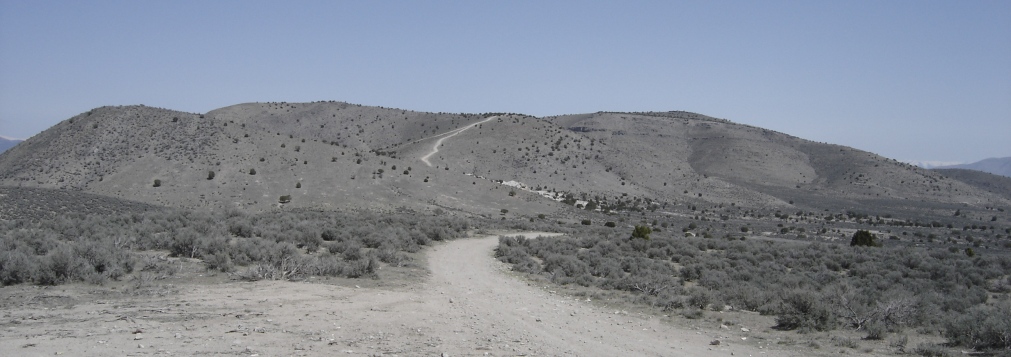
column 469, row 306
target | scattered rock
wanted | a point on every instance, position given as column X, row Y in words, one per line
column 715, row 343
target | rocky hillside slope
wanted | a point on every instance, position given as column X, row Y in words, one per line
column 334, row 155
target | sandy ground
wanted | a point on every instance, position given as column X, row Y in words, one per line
column 469, row 306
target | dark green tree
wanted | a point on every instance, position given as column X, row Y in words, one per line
column 641, row 232
column 865, row 239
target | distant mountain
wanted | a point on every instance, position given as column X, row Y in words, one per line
column 6, row 143
column 997, row 166
column 335, row 155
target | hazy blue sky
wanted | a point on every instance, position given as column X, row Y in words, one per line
column 910, row 80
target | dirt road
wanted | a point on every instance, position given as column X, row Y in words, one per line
column 450, row 134
column 512, row 317
column 468, row 307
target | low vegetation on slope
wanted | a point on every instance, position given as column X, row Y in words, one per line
column 277, row 245
column 807, row 286
column 40, row 203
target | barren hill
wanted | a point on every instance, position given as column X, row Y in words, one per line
column 334, row 155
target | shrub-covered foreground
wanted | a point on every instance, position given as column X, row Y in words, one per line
column 818, row 286
column 279, row 245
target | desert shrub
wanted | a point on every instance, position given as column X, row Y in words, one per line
column 328, row 235
column 930, row 350
column 18, row 263
column 184, row 243
column 360, row 268
column 220, row 261
column 391, row 256
column 983, row 327
column 876, row 331
column 78, row 247
column 693, row 313
column 699, row 298
column 805, row 311
column 240, row 228
column 59, row 266
column 830, row 285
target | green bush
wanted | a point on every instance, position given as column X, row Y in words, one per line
column 862, row 238
column 641, row 232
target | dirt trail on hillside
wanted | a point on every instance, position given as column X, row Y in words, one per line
column 469, row 306
column 451, row 133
